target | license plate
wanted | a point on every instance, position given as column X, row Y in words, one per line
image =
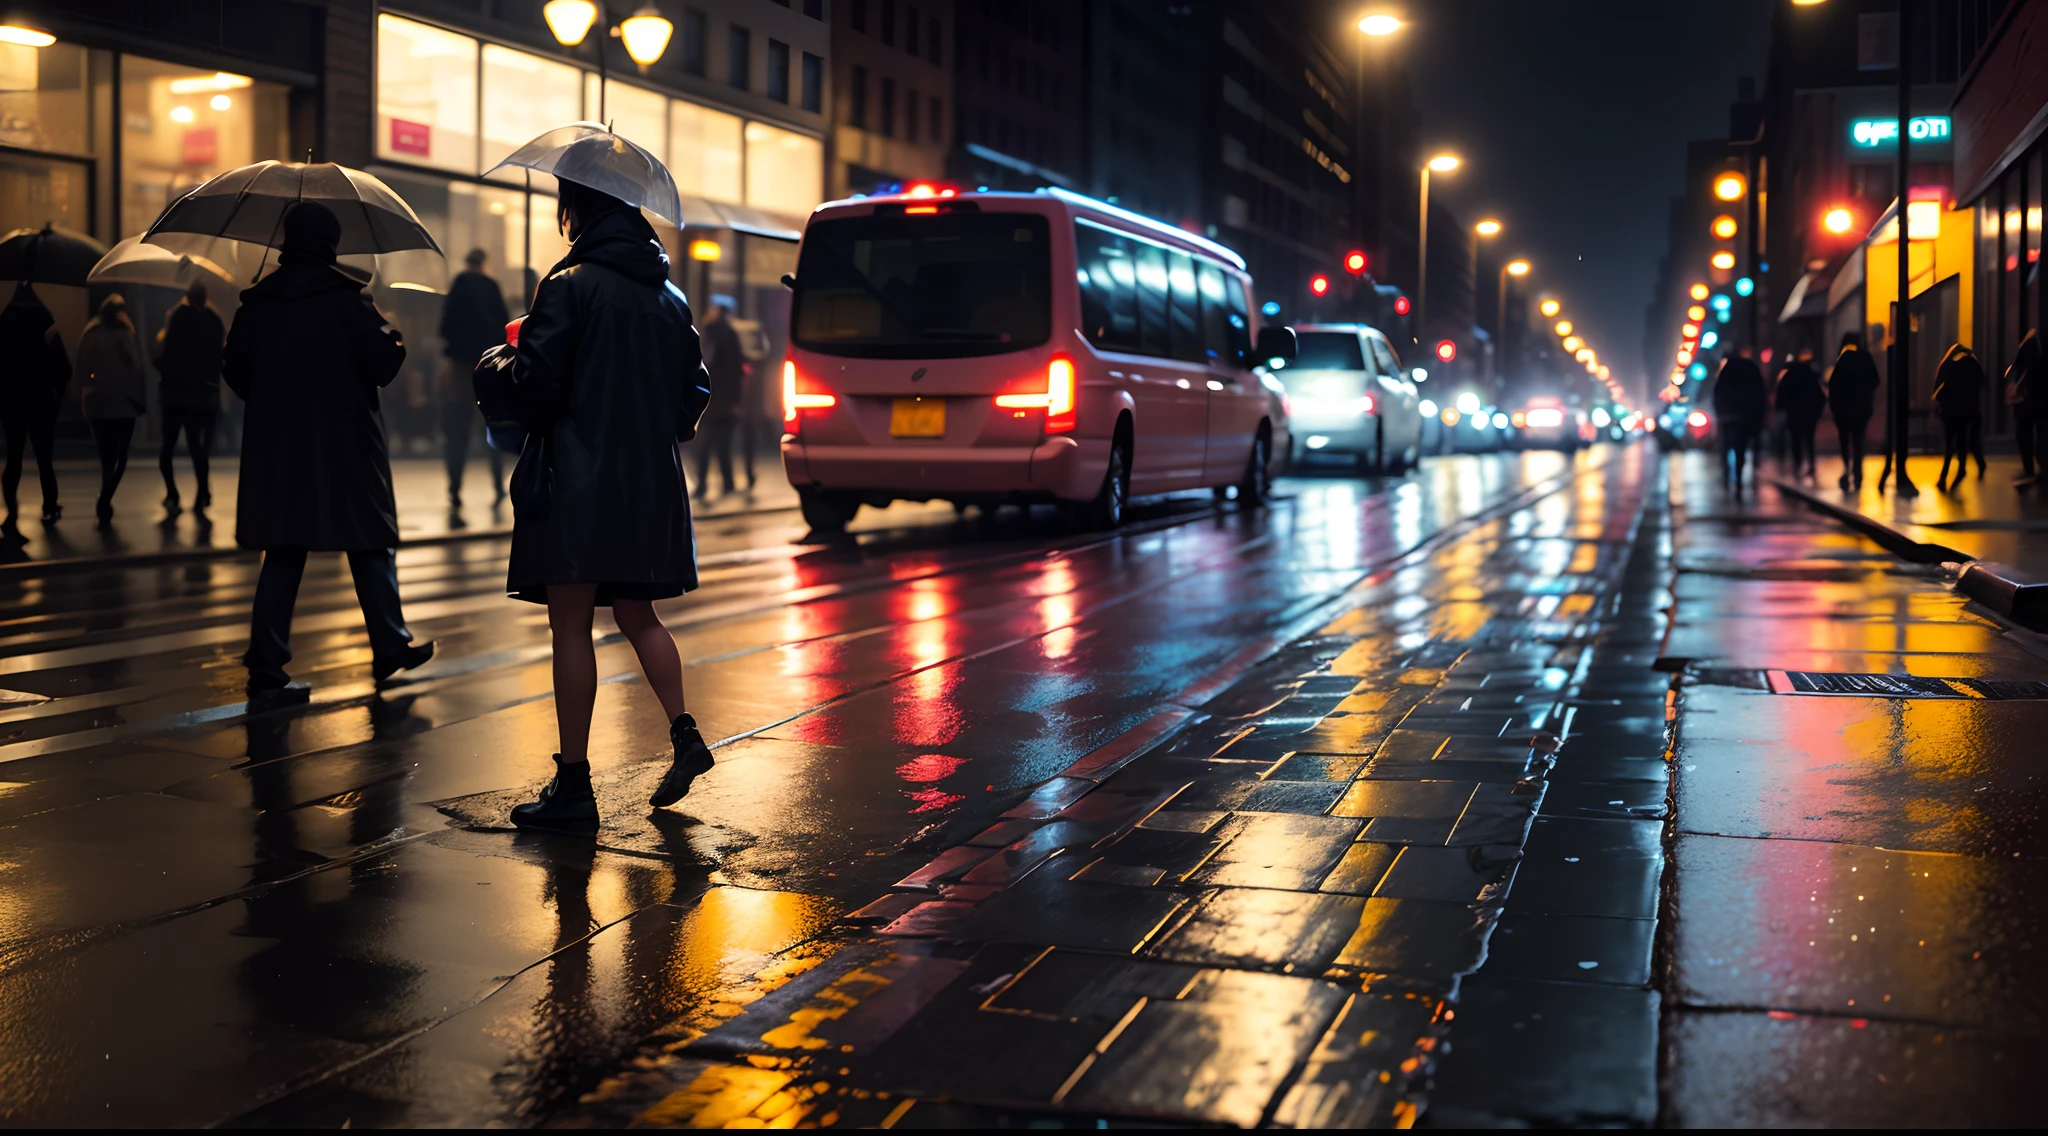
column 918, row 418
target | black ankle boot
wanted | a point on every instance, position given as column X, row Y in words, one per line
column 566, row 805
column 693, row 757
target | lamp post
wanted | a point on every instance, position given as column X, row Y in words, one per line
column 1443, row 164
column 645, row 33
column 1500, row 325
column 1902, row 319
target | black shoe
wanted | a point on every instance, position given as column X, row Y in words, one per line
column 278, row 697
column 566, row 805
column 53, row 512
column 171, row 506
column 404, row 661
column 455, row 499
column 692, row 758
column 105, row 509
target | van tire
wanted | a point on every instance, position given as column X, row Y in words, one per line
column 1106, row 510
column 1257, row 483
column 827, row 513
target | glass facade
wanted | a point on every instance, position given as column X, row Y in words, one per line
column 2009, row 219
column 181, row 126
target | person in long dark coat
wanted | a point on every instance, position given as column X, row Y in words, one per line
column 607, row 379
column 1959, row 397
column 473, row 320
column 110, row 392
column 189, row 362
column 33, row 373
column 726, row 363
column 2026, row 391
column 1740, row 403
column 1800, row 399
column 1852, row 396
column 309, row 354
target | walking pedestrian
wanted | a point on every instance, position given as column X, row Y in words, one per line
column 607, row 378
column 1852, row 395
column 189, row 363
column 2026, row 391
column 33, row 373
column 472, row 322
column 725, row 362
column 110, row 392
column 1740, row 405
column 1959, row 396
column 1800, row 400
column 308, row 355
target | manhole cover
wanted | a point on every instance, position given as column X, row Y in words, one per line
column 1903, row 686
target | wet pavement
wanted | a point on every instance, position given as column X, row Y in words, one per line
column 1465, row 799
column 1997, row 517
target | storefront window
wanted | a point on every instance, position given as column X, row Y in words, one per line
column 43, row 98
column 426, row 96
column 183, row 125
column 705, row 151
column 635, row 113
column 785, row 170
column 523, row 96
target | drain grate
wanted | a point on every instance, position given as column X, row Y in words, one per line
column 1903, row 686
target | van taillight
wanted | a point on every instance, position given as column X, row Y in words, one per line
column 795, row 399
column 1056, row 397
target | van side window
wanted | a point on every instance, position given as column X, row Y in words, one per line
column 1154, row 336
column 1240, row 355
column 1186, row 310
column 1109, row 279
column 1215, row 315
column 1390, row 364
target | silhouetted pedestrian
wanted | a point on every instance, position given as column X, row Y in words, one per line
column 1959, row 395
column 189, row 363
column 607, row 378
column 308, row 355
column 110, row 392
column 725, row 362
column 1740, row 404
column 33, row 373
column 473, row 321
column 2026, row 391
column 1800, row 400
column 1852, row 396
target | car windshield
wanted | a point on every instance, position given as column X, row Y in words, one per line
column 1328, row 351
column 922, row 287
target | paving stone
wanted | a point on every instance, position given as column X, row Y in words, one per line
column 1106, row 871
column 1184, row 820
column 1060, row 983
column 1277, row 850
column 1345, row 733
column 1454, row 875
column 1359, row 1069
column 1048, row 909
column 950, row 864
column 1525, row 1052
column 1361, row 869
column 1417, row 937
column 1318, row 767
column 1571, row 948
column 888, row 907
column 1572, row 866
column 1309, row 797
column 1410, row 830
column 1498, row 814
column 1050, row 798
column 1261, row 928
column 1606, row 799
column 1417, row 800
column 1003, row 832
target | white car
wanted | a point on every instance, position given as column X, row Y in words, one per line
column 1348, row 396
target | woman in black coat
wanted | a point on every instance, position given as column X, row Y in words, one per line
column 308, row 355
column 1800, row 400
column 1959, row 395
column 607, row 379
column 1852, row 395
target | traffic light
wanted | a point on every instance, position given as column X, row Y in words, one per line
column 1354, row 262
column 1446, row 350
column 1319, row 284
column 1401, row 305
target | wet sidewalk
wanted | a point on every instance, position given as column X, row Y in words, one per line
column 1854, row 915
column 1994, row 518
column 141, row 532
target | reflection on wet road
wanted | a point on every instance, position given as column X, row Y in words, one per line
column 320, row 915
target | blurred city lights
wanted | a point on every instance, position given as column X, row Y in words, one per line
column 1723, row 261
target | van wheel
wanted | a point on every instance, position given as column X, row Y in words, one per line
column 827, row 513
column 1106, row 511
column 1257, row 485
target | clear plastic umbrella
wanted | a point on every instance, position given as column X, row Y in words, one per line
column 133, row 262
column 590, row 155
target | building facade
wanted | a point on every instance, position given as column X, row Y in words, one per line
column 892, row 83
column 1021, row 75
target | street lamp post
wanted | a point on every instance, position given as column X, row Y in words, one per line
column 1500, row 326
column 645, row 33
column 1902, row 320
column 1443, row 164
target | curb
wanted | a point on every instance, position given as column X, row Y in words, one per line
column 2004, row 589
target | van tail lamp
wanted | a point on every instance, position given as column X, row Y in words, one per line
column 1546, row 417
column 795, row 399
column 1056, row 399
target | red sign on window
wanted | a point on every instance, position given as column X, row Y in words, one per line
column 411, row 137
column 202, row 146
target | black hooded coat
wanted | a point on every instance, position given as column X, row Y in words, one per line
column 308, row 354
column 1852, row 386
column 608, row 377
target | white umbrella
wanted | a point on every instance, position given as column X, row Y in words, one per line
column 133, row 262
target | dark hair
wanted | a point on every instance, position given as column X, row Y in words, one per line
column 1852, row 339
column 113, row 306
column 589, row 204
column 475, row 258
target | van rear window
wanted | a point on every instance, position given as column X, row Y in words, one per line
column 924, row 287
column 1328, row 351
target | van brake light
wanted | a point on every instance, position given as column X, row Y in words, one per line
column 794, row 400
column 1057, row 399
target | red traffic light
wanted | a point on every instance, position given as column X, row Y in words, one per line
column 1354, row 262
column 1319, row 284
column 1446, row 350
column 1401, row 305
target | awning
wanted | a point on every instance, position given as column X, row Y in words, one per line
column 1809, row 300
column 704, row 213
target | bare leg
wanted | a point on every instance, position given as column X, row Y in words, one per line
column 569, row 615
column 659, row 660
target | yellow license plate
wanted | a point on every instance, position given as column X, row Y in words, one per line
column 918, row 418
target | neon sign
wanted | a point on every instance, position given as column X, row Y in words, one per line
column 1871, row 133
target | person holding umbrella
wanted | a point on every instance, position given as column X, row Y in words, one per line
column 607, row 378
column 188, row 364
column 110, row 392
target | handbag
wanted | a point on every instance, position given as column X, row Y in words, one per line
column 489, row 380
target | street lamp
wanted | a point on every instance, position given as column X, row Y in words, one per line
column 1728, row 187
column 1549, row 308
column 1487, row 228
column 1442, row 164
column 1500, row 320
column 1838, row 220
column 1563, row 328
column 645, row 33
column 1380, row 24
column 1723, row 260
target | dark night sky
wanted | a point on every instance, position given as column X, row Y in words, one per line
column 1572, row 117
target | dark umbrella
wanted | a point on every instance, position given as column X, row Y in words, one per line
column 248, row 204
column 48, row 255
